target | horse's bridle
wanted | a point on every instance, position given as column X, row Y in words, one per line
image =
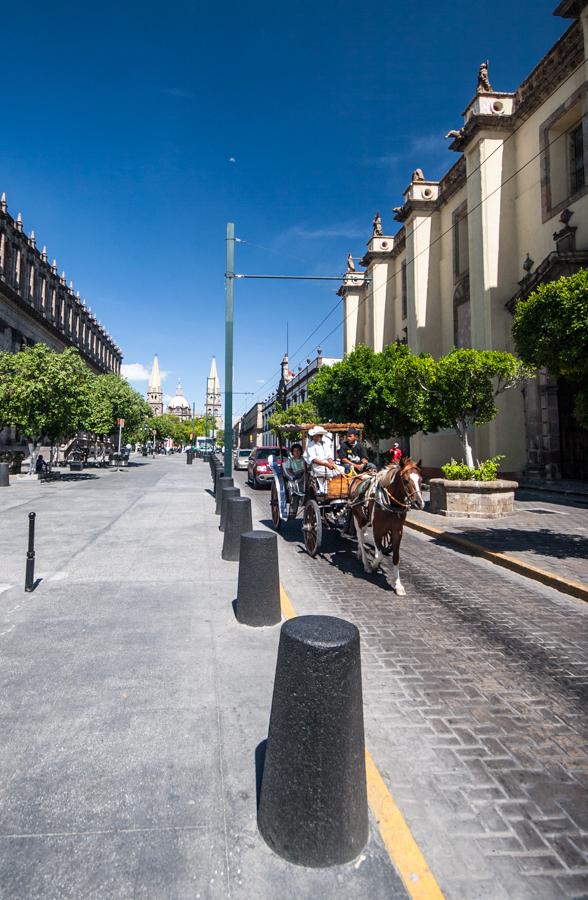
column 408, row 496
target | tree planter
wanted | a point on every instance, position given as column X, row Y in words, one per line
column 472, row 499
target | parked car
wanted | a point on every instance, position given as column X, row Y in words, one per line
column 258, row 471
column 241, row 458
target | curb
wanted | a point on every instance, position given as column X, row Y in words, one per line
column 574, row 588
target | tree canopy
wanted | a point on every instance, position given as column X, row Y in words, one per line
column 379, row 389
column 43, row 393
column 551, row 331
column 296, row 414
column 112, row 398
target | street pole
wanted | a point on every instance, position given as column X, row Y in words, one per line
column 229, row 279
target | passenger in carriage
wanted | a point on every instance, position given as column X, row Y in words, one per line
column 319, row 456
column 352, row 454
column 293, row 471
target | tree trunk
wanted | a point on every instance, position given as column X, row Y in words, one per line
column 462, row 432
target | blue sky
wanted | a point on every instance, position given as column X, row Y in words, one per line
column 120, row 120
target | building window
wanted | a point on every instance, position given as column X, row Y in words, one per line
column 462, row 328
column 576, row 159
column 403, row 290
column 461, row 247
column 563, row 175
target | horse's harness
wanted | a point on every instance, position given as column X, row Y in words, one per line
column 382, row 497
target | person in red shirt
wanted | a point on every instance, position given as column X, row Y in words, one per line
column 396, row 452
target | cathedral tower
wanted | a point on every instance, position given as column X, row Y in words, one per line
column 213, row 394
column 154, row 392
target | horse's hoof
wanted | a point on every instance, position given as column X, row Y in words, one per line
column 400, row 592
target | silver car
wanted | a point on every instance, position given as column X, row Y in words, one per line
column 241, row 458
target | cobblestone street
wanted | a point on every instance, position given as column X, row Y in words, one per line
column 475, row 693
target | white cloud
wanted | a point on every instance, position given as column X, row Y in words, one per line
column 260, row 381
column 139, row 372
column 134, row 372
column 341, row 230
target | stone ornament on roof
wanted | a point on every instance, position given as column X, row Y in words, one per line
column 350, row 263
column 417, row 175
column 484, row 86
column 377, row 226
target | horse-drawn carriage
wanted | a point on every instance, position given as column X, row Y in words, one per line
column 322, row 500
column 378, row 501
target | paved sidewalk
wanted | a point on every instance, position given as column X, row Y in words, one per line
column 132, row 703
column 545, row 531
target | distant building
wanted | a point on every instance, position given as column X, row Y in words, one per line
column 292, row 388
column 509, row 215
column 212, row 406
column 178, row 406
column 38, row 307
column 154, row 392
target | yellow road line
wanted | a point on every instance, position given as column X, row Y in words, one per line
column 402, row 848
column 288, row 610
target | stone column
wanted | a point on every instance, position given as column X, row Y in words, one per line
column 353, row 292
column 423, row 308
column 378, row 261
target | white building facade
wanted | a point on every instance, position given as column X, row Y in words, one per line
column 512, row 212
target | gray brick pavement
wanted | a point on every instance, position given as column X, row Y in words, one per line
column 475, row 691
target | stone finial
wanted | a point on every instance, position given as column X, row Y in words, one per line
column 19, row 222
column 483, row 86
column 350, row 263
column 417, row 175
column 455, row 133
column 54, row 267
column 44, row 254
column 63, row 279
column 33, row 240
column 528, row 263
column 3, row 203
column 71, row 286
column 377, row 226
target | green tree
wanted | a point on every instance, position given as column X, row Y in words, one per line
column 44, row 394
column 112, row 398
column 551, row 331
column 462, row 388
column 382, row 390
column 167, row 426
column 297, row 414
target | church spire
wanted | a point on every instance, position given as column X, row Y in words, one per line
column 155, row 378
column 154, row 392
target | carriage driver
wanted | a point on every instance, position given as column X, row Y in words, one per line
column 319, row 456
column 352, row 454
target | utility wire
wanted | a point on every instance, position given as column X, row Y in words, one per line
column 556, row 87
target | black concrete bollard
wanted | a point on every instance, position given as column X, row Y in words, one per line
column 237, row 520
column 258, row 592
column 189, row 457
column 30, row 570
column 218, row 470
column 221, row 482
column 4, row 475
column 218, row 474
column 313, row 799
column 227, row 492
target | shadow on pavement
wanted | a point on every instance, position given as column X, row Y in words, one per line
column 259, row 764
column 539, row 541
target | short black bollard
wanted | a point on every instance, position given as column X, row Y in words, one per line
column 258, row 593
column 313, row 800
column 221, row 482
column 218, row 470
column 30, row 572
column 4, row 475
column 219, row 473
column 227, row 492
column 237, row 520
column 189, row 457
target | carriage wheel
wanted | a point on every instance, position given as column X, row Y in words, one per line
column 312, row 527
column 275, row 504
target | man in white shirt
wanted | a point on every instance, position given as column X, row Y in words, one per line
column 319, row 456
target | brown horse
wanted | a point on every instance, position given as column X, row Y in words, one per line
column 382, row 501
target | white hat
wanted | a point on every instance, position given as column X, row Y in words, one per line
column 317, row 429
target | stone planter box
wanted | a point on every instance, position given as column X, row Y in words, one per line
column 472, row 499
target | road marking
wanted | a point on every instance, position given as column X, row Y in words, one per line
column 402, row 848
